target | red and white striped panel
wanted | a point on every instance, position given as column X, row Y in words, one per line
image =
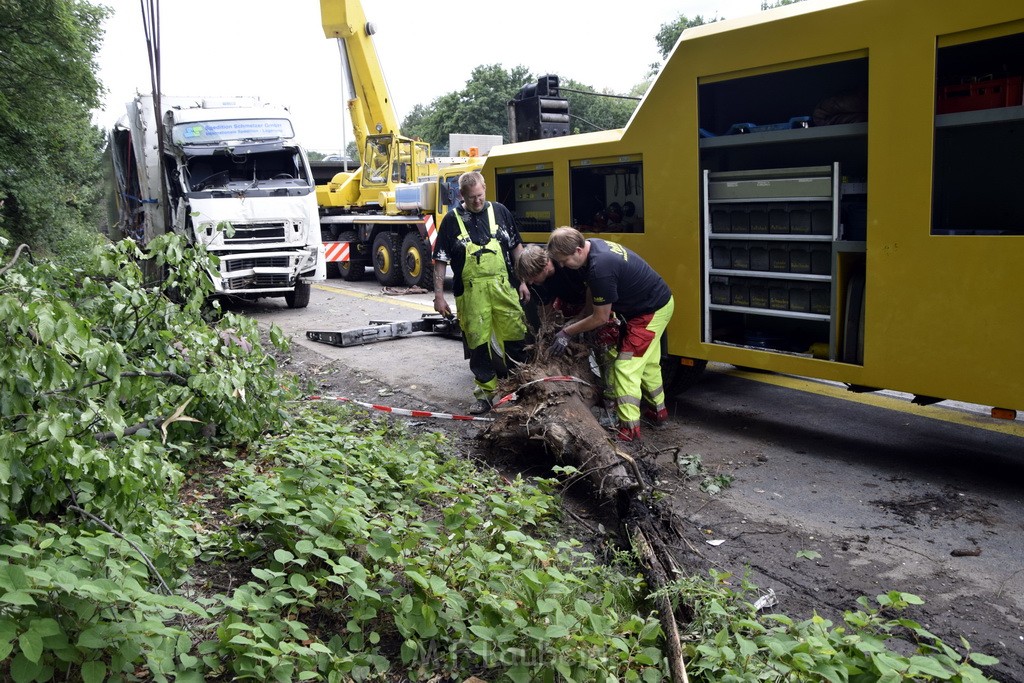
column 431, row 231
column 336, row 251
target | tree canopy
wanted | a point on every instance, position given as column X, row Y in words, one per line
column 481, row 106
column 49, row 149
column 478, row 108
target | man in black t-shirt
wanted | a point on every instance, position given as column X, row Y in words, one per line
column 620, row 281
column 480, row 241
column 550, row 284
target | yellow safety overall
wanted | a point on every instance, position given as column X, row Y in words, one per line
column 488, row 305
column 637, row 367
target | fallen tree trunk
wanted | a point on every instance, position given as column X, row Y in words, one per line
column 549, row 402
column 551, row 406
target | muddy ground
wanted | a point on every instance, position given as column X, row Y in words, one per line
column 924, row 524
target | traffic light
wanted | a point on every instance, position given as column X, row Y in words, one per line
column 538, row 111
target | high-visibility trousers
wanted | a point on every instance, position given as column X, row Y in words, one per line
column 636, row 372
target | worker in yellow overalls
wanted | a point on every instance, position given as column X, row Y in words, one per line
column 480, row 241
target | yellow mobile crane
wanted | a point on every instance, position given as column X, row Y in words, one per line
column 386, row 212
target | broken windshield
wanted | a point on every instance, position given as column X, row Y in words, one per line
column 240, row 172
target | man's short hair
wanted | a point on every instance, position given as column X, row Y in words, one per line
column 565, row 241
column 532, row 261
column 470, row 179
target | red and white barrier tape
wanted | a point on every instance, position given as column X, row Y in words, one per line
column 445, row 416
column 402, row 411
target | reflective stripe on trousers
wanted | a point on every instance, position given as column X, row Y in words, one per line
column 637, row 373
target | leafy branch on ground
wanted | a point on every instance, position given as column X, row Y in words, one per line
column 148, row 445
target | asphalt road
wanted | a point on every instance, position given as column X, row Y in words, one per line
column 890, row 496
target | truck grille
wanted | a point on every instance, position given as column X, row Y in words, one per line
column 235, row 265
column 262, row 281
column 256, row 233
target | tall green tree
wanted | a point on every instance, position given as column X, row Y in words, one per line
column 669, row 32
column 50, row 153
column 591, row 109
column 479, row 108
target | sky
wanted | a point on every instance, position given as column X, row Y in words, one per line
column 276, row 49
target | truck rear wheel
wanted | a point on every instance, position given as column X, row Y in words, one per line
column 351, row 271
column 354, row 269
column 386, row 260
column 298, row 297
column 417, row 268
column 676, row 377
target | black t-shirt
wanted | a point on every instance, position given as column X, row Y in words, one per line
column 618, row 276
column 450, row 250
column 566, row 284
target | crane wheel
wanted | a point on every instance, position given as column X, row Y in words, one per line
column 417, row 266
column 386, row 260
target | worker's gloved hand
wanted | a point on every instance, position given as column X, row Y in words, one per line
column 608, row 334
column 560, row 344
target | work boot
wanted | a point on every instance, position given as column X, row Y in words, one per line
column 655, row 416
column 628, row 433
column 481, row 407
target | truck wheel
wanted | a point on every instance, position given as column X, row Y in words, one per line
column 386, row 261
column 298, row 297
column 351, row 271
column 354, row 269
column 676, row 377
column 417, row 268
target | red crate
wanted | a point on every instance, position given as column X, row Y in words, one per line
column 985, row 94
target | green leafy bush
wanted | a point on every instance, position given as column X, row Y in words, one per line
column 731, row 642
column 108, row 388
column 166, row 514
column 377, row 549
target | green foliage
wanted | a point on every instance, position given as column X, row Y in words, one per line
column 593, row 112
column 330, row 544
column 691, row 466
column 669, row 32
column 76, row 600
column 479, row 108
column 778, row 3
column 49, row 150
column 102, row 380
column 99, row 373
column 730, row 642
column 373, row 550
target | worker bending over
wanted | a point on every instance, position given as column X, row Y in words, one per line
column 562, row 289
column 621, row 282
column 480, row 241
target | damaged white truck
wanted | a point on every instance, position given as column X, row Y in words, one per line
column 227, row 174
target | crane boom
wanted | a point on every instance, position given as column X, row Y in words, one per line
column 345, row 21
column 385, row 213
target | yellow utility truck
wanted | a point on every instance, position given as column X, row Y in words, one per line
column 830, row 190
column 386, row 212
